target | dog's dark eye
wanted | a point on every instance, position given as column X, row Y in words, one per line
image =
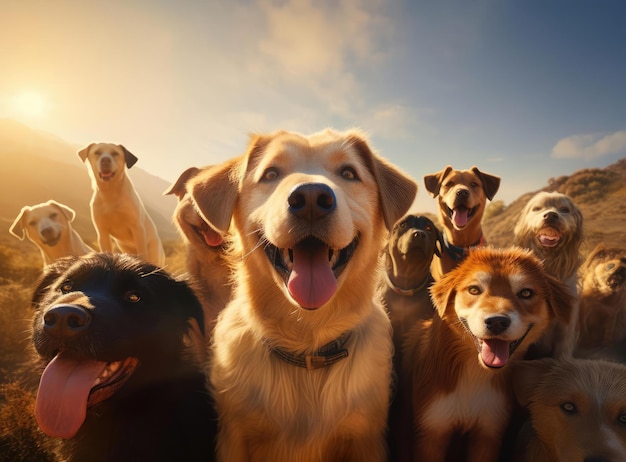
column 564, row 210
column 66, row 287
column 270, row 174
column 402, row 225
column 133, row 297
column 474, row 290
column 54, row 215
column 610, row 266
column 536, row 209
column 525, row 293
column 569, row 408
column 474, row 185
column 348, row 173
column 428, row 228
column 621, row 419
column 32, row 223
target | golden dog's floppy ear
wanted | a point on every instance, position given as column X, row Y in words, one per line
column 434, row 180
column 526, row 375
column 83, row 153
column 397, row 190
column 129, row 157
column 560, row 300
column 67, row 211
column 491, row 183
column 179, row 186
column 17, row 227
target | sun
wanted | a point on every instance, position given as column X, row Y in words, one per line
column 29, row 104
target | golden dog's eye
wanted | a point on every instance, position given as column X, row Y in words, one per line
column 525, row 293
column 54, row 215
column 348, row 173
column 270, row 174
column 536, row 209
column 569, row 408
column 474, row 185
column 621, row 419
column 66, row 287
column 474, row 290
column 32, row 223
column 133, row 297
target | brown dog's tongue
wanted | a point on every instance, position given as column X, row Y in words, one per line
column 61, row 405
column 459, row 216
column 312, row 282
column 211, row 237
column 494, row 352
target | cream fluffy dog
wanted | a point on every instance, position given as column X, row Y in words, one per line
column 302, row 354
column 49, row 226
column 117, row 212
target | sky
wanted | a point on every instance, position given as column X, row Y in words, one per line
column 527, row 90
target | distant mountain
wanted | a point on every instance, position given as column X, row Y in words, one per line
column 37, row 166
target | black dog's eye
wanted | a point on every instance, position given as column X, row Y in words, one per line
column 270, row 174
column 349, row 173
column 569, row 408
column 525, row 293
column 621, row 419
column 474, row 290
column 428, row 228
column 133, row 296
column 66, row 287
column 402, row 225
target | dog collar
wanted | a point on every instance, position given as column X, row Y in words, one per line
column 459, row 253
column 407, row 292
column 328, row 354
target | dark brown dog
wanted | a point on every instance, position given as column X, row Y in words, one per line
column 462, row 197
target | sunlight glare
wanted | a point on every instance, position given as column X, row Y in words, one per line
column 29, row 104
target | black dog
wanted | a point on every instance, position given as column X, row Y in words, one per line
column 119, row 382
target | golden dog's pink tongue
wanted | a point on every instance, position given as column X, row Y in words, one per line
column 459, row 216
column 211, row 237
column 312, row 281
column 61, row 405
column 494, row 352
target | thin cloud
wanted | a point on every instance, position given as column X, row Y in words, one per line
column 590, row 146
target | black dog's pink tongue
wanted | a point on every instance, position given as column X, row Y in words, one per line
column 459, row 216
column 61, row 405
column 494, row 352
column 312, row 282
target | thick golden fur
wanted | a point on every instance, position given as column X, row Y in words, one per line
column 270, row 409
column 49, row 226
column 461, row 199
column 459, row 361
column 551, row 226
column 117, row 211
column 206, row 257
column 603, row 298
column 577, row 410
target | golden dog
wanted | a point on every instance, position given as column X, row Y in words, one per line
column 489, row 310
column 49, row 226
column 206, row 258
column 551, row 225
column 577, row 409
column 302, row 353
column 116, row 210
column 462, row 197
column 602, row 317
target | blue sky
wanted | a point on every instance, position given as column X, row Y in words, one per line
column 526, row 90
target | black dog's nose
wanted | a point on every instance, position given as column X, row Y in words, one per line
column 497, row 324
column 66, row 321
column 312, row 201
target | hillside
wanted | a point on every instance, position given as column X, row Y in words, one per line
column 599, row 193
column 37, row 166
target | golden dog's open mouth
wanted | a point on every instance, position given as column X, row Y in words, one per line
column 310, row 269
column 495, row 352
column 549, row 237
column 461, row 215
column 70, row 385
column 106, row 175
column 210, row 237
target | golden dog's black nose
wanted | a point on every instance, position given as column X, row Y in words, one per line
column 497, row 324
column 311, row 201
column 66, row 321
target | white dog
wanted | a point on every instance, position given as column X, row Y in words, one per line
column 116, row 209
column 48, row 225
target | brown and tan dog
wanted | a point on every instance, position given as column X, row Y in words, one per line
column 602, row 318
column 551, row 226
column 206, row 258
column 301, row 365
column 117, row 212
column 577, row 409
column 49, row 226
column 462, row 197
column 489, row 310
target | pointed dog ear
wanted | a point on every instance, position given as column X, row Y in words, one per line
column 396, row 189
column 17, row 227
column 443, row 291
column 434, row 181
column 83, row 153
column 69, row 213
column 179, row 186
column 526, row 375
column 491, row 183
column 129, row 157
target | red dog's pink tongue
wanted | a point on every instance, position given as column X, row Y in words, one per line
column 64, row 388
column 495, row 353
column 459, row 216
column 312, row 282
column 211, row 237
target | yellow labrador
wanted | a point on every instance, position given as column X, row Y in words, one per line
column 116, row 209
column 302, row 354
column 49, row 226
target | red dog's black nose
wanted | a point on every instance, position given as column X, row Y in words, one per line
column 66, row 321
column 497, row 324
column 311, row 201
